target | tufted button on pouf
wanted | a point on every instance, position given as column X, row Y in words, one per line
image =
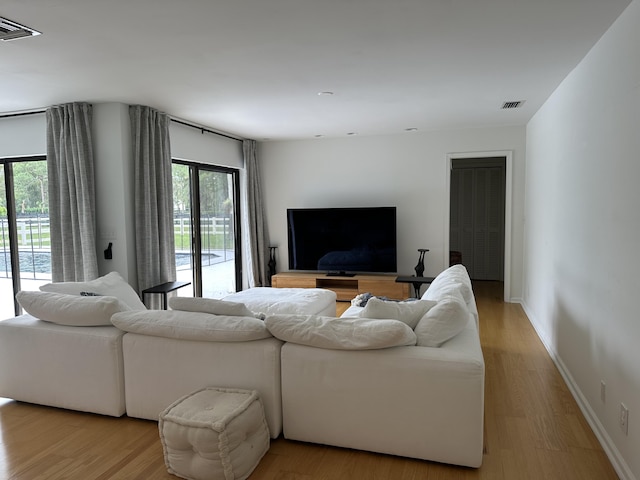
column 214, row 433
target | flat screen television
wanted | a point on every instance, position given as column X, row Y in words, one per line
column 342, row 241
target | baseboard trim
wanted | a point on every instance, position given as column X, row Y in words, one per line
column 609, row 447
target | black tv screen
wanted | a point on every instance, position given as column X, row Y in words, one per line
column 342, row 240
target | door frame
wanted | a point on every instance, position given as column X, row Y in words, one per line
column 508, row 156
column 194, row 187
column 6, row 164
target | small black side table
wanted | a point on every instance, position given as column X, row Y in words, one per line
column 417, row 282
column 164, row 288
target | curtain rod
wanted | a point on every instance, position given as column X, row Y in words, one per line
column 21, row 114
column 202, row 129
column 181, row 122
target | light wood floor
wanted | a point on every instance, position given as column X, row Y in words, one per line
column 533, row 429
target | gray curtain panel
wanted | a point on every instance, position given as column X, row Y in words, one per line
column 155, row 242
column 258, row 235
column 72, row 204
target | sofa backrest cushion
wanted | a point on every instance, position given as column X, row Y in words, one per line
column 443, row 322
column 210, row 305
column 343, row 333
column 72, row 310
column 455, row 276
column 409, row 312
column 111, row 284
column 191, row 325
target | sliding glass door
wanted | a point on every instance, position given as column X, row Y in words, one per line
column 206, row 224
column 25, row 242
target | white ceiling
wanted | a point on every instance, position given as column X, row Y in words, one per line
column 253, row 68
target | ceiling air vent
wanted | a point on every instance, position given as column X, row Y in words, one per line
column 10, row 30
column 512, row 104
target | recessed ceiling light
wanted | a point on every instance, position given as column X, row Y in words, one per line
column 327, row 93
column 352, row 133
column 411, row 129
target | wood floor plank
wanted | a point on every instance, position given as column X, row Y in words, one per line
column 533, row 428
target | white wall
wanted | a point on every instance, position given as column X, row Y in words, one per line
column 114, row 190
column 407, row 171
column 583, row 229
column 188, row 143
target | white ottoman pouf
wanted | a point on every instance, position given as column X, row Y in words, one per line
column 214, row 433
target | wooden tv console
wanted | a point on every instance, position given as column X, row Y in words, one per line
column 346, row 288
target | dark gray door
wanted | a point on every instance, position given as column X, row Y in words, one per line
column 477, row 215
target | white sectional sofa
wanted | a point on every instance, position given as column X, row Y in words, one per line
column 403, row 378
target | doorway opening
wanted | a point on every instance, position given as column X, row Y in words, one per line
column 479, row 226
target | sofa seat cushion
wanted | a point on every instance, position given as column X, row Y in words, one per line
column 72, row 310
column 111, row 284
column 191, row 325
column 299, row 301
column 340, row 333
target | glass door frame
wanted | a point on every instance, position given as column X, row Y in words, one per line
column 196, row 237
column 14, row 252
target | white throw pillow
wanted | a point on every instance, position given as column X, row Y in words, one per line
column 443, row 322
column 191, row 325
column 111, row 284
column 340, row 333
column 70, row 310
column 210, row 305
column 409, row 312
